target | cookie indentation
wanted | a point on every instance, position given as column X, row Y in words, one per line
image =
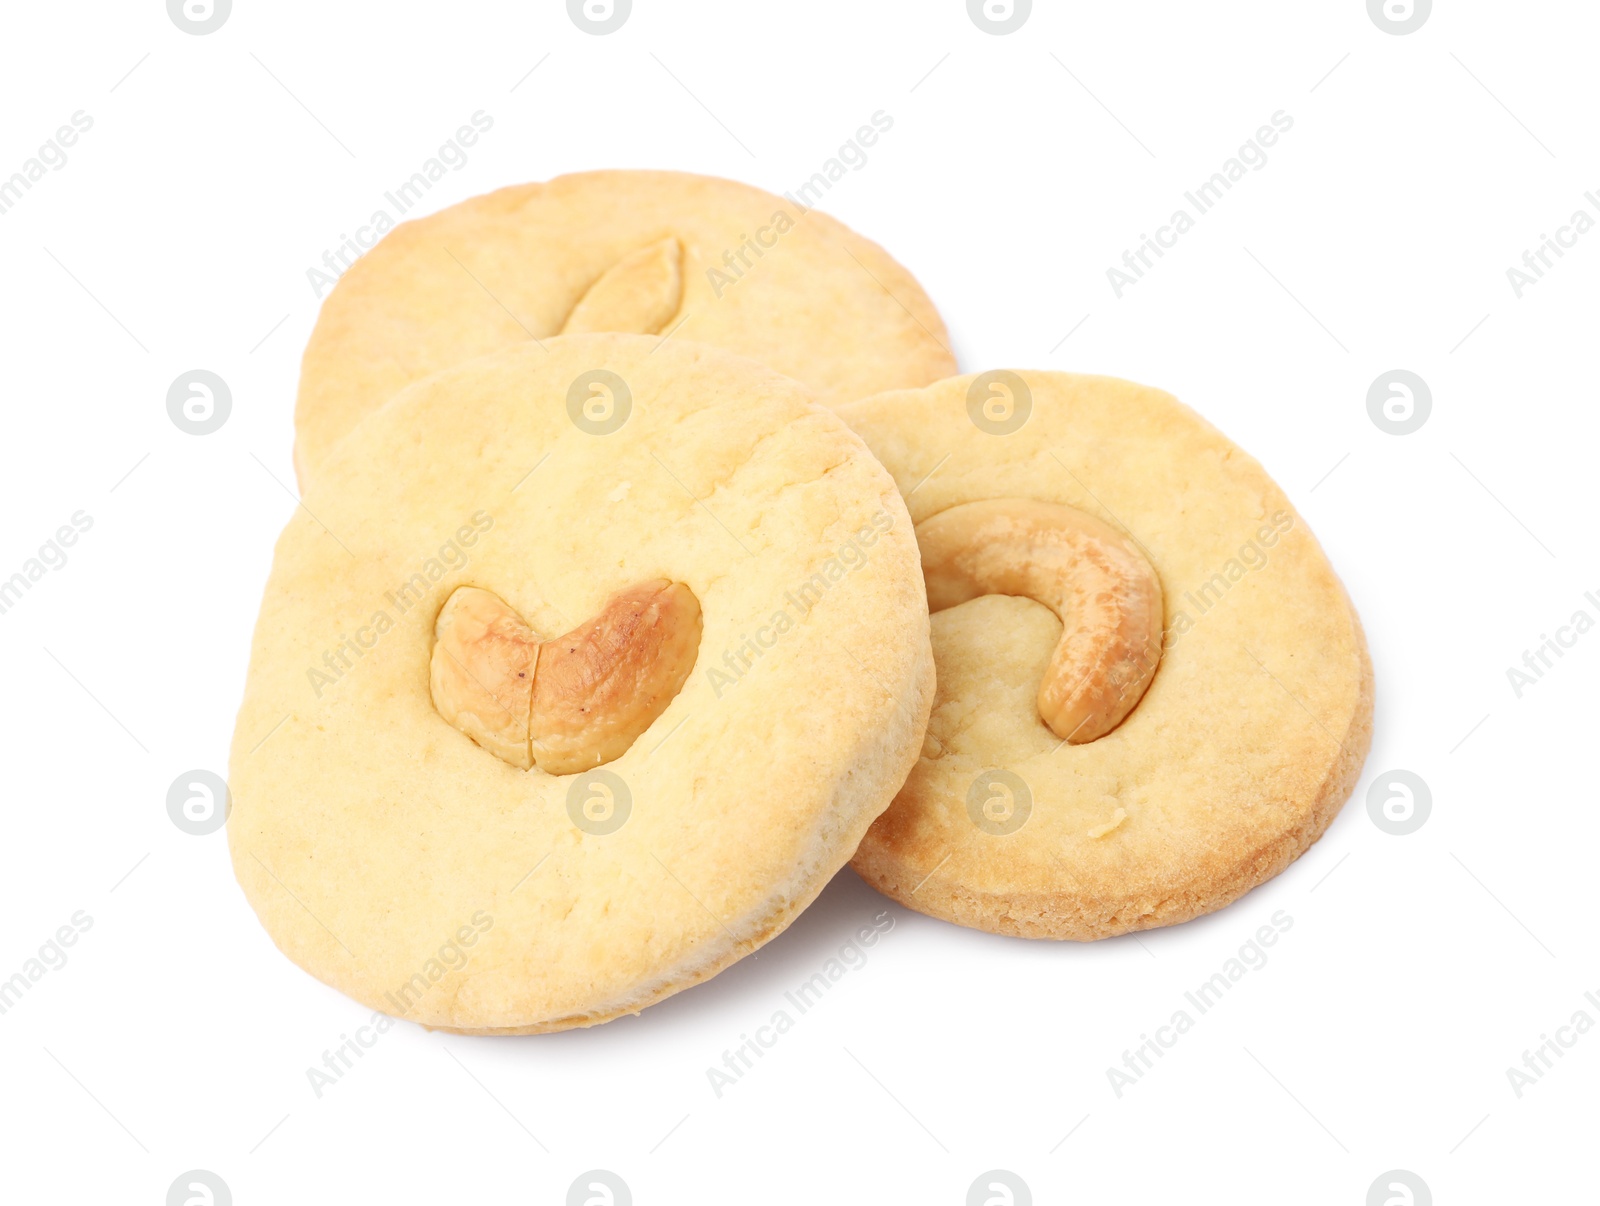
column 638, row 294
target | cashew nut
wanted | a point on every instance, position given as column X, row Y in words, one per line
column 571, row 703
column 1095, row 579
column 481, row 672
column 638, row 294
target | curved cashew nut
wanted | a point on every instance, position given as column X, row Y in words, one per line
column 481, row 672
column 638, row 294
column 571, row 703
column 1094, row 578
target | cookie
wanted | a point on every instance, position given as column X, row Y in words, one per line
column 1153, row 692
column 664, row 253
column 577, row 677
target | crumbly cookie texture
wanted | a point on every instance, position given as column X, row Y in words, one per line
column 690, row 257
column 394, row 857
column 1249, row 738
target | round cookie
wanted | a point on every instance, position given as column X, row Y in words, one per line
column 682, row 256
column 396, row 858
column 1256, row 720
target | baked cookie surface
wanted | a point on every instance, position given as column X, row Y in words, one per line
column 1250, row 734
column 396, row 858
column 693, row 257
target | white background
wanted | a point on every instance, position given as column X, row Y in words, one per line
column 1019, row 168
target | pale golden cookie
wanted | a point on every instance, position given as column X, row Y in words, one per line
column 681, row 256
column 1250, row 734
column 597, row 491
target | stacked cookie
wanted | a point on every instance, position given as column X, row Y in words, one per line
column 633, row 546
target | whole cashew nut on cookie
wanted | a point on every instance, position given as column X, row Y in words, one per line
column 1095, row 579
column 571, row 703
